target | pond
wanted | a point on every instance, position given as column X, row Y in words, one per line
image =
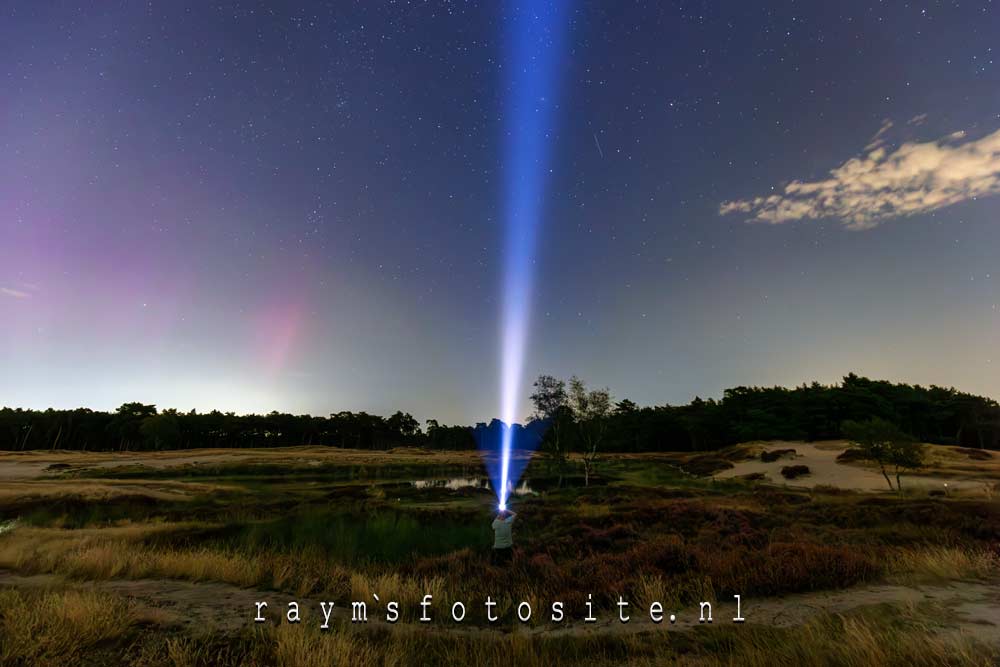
column 456, row 483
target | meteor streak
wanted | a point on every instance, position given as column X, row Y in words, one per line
column 537, row 32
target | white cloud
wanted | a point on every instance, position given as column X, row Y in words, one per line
column 879, row 137
column 882, row 184
column 16, row 293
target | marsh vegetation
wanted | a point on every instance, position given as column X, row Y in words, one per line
column 316, row 524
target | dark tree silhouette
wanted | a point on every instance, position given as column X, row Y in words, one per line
column 811, row 412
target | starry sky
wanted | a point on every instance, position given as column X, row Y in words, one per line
column 301, row 206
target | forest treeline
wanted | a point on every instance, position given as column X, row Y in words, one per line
column 592, row 420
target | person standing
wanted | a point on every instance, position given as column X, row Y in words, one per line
column 503, row 537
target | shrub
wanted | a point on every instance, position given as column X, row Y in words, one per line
column 667, row 553
column 791, row 472
column 850, row 455
column 775, row 454
column 789, row 567
column 705, row 464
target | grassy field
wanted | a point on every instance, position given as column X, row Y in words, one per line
column 157, row 559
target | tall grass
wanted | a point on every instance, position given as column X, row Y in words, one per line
column 58, row 628
column 123, row 554
column 62, row 628
column 303, row 646
column 666, row 569
column 891, row 640
column 906, row 639
column 912, row 566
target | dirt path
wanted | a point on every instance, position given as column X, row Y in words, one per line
column 972, row 607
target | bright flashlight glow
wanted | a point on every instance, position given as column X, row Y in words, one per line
column 535, row 46
column 504, row 463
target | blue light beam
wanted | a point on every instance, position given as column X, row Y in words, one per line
column 535, row 44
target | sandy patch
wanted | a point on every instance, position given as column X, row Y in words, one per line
column 826, row 471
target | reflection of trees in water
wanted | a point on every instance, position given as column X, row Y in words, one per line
column 456, row 483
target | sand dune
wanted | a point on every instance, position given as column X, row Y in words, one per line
column 946, row 471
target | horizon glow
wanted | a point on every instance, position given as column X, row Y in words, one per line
column 534, row 47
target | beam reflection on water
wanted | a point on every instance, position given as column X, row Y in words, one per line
column 456, row 483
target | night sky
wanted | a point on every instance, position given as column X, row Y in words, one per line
column 301, row 207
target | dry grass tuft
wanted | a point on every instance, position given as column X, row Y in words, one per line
column 108, row 554
column 903, row 640
column 58, row 628
column 913, row 566
column 295, row 646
